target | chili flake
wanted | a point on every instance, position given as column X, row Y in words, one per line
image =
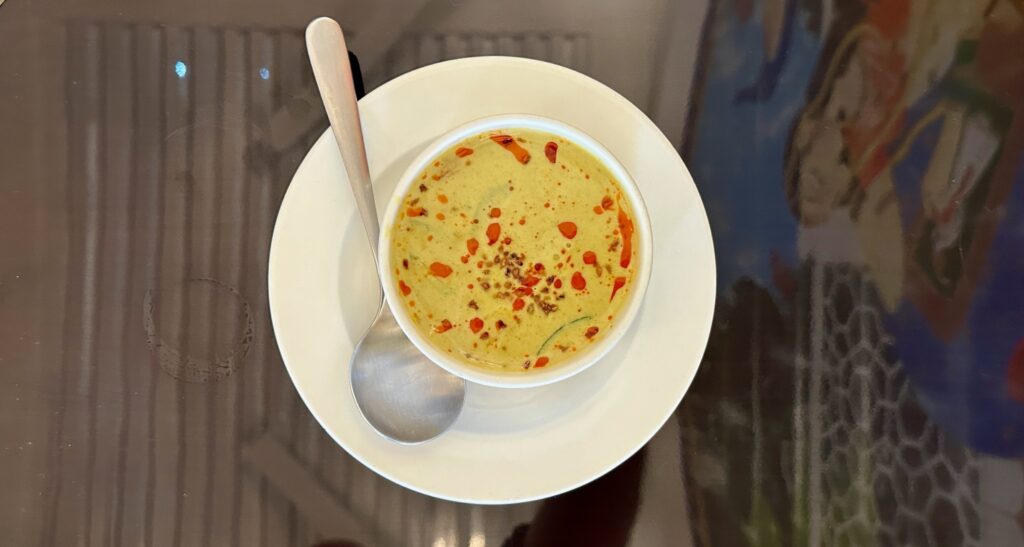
column 568, row 229
column 440, row 270
column 551, row 151
column 493, row 233
column 626, row 229
column 618, row 284
column 510, row 144
column 578, row 282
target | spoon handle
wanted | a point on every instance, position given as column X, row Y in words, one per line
column 329, row 57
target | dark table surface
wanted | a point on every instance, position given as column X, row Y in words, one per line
column 861, row 162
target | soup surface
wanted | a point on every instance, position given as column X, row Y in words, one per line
column 514, row 250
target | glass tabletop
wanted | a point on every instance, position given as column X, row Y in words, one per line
column 862, row 167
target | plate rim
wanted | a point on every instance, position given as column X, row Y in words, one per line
column 707, row 308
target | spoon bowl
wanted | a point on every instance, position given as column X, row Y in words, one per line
column 403, row 399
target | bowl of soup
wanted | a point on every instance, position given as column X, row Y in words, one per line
column 515, row 251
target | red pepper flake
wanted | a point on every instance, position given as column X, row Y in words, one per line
column 435, row 177
column 404, row 288
column 510, row 144
column 445, row 326
column 476, row 324
column 558, row 283
column 493, row 232
column 442, row 198
column 507, row 240
column 440, row 216
column 551, row 151
column 500, row 324
column 591, row 332
column 415, row 212
column 495, row 212
column 518, row 304
column 464, row 259
column 547, row 204
column 607, row 203
column 440, row 270
column 472, row 245
column 524, row 291
column 541, row 362
column 598, row 209
column 578, row 282
column 568, row 229
column 405, row 263
column 619, row 283
column 626, row 229
column 538, row 267
column 531, row 281
column 522, row 221
column 462, row 151
column 589, row 257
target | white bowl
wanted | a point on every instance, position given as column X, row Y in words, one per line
column 580, row 361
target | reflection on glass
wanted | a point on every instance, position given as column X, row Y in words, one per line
column 866, row 369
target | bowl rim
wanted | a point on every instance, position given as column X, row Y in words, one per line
column 577, row 363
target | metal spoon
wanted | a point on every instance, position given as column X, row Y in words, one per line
column 401, row 393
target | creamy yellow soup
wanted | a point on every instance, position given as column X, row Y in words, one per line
column 514, row 250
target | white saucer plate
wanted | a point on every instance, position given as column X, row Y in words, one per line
column 509, row 445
